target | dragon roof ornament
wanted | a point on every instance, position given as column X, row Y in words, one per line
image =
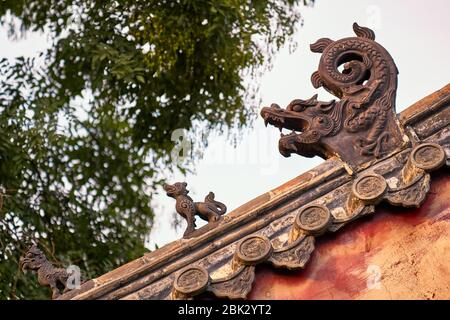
column 372, row 156
column 359, row 128
column 210, row 210
column 47, row 274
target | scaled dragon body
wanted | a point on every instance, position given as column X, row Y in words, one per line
column 362, row 125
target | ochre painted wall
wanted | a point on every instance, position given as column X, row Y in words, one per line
column 397, row 253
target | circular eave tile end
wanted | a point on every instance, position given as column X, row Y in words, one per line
column 428, row 156
column 369, row 187
column 253, row 249
column 192, row 280
column 313, row 219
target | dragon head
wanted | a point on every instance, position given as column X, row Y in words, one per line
column 176, row 189
column 33, row 259
column 362, row 125
column 309, row 120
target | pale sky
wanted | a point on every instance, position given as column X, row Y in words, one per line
column 415, row 32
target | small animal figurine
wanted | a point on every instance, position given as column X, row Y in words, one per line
column 48, row 275
column 210, row 210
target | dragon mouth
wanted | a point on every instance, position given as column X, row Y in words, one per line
column 288, row 144
column 23, row 264
column 171, row 190
column 284, row 119
column 297, row 140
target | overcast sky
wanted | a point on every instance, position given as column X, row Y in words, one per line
column 415, row 32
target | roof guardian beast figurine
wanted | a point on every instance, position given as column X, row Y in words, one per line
column 48, row 275
column 210, row 210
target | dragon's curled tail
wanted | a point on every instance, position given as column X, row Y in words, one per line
column 220, row 207
column 367, row 84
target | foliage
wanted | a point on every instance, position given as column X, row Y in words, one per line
column 85, row 128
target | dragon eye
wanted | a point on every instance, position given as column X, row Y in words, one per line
column 320, row 119
column 323, row 121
